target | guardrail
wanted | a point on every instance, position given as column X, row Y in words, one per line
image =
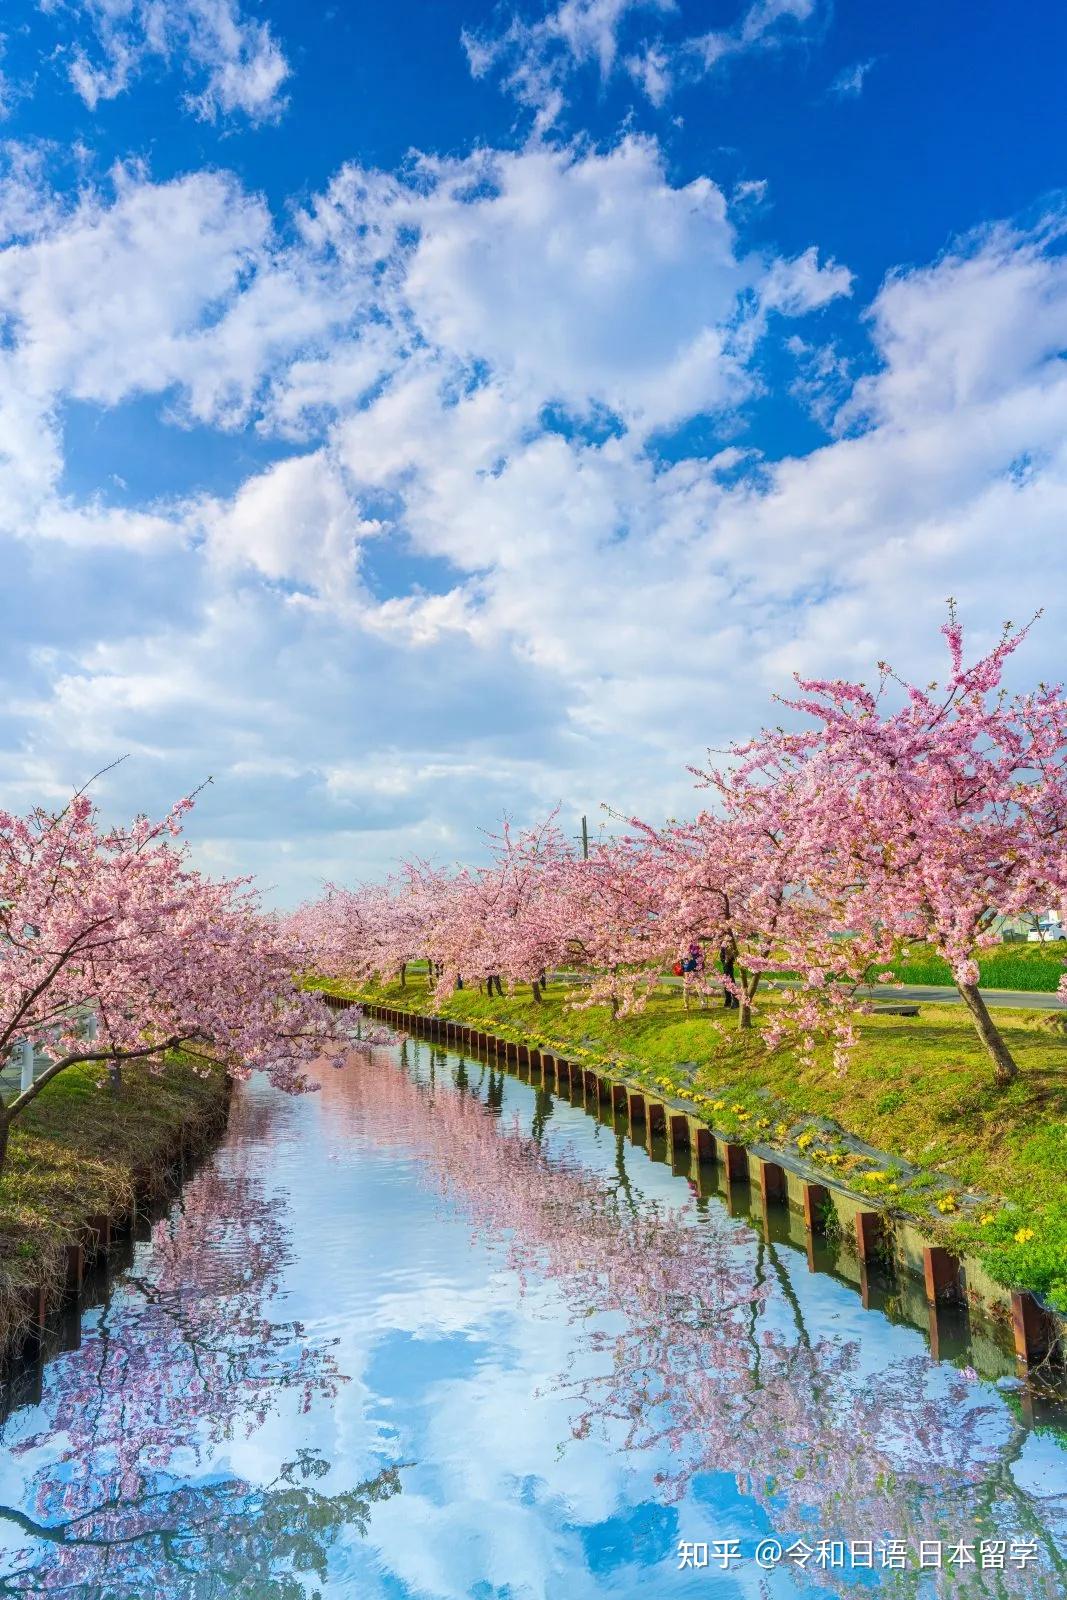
column 30, row 1058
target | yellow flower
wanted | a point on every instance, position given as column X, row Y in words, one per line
column 764, row 1122
column 1023, row 1235
column 877, row 1176
column 742, row 1116
column 947, row 1203
column 781, row 1131
column 737, row 1109
column 987, row 1216
column 835, row 1159
column 718, row 1105
column 894, row 1188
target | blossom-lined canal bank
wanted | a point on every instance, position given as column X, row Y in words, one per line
column 436, row 1331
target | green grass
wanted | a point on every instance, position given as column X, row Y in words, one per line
column 76, row 1152
column 1034, row 967
column 918, row 1088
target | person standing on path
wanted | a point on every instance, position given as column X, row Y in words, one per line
column 727, row 960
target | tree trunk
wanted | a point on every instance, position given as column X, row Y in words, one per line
column 535, row 988
column 749, row 985
column 727, row 962
column 403, row 974
column 5, row 1124
column 1005, row 1069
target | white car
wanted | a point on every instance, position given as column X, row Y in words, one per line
column 1046, row 932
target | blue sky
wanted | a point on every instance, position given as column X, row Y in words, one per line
column 410, row 412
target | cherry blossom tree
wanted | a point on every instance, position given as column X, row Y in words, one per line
column 749, row 879
column 929, row 816
column 375, row 930
column 613, row 904
column 934, row 818
column 113, row 948
column 524, row 910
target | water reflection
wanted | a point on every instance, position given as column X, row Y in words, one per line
column 130, row 1500
column 707, row 1365
column 190, row 1542
column 435, row 1274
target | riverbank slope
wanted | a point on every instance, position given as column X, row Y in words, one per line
column 81, row 1152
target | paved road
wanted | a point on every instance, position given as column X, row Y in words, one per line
column 1021, row 999
column 1026, row 999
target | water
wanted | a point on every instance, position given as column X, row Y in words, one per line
column 435, row 1332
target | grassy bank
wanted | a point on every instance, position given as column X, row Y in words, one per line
column 919, row 1088
column 81, row 1151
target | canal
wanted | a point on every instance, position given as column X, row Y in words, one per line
column 436, row 1332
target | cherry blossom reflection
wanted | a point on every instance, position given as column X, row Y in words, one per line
column 702, row 1361
column 183, row 1361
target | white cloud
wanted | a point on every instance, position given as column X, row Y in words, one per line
column 586, row 281
column 112, row 298
column 635, row 283
column 295, row 521
column 989, row 316
column 178, row 289
column 7, row 91
column 823, row 381
column 106, row 302
column 750, row 192
column 795, row 287
column 848, row 85
column 234, row 61
column 651, row 68
column 580, row 279
column 27, row 204
column 474, row 360
column 536, row 60
column 765, row 24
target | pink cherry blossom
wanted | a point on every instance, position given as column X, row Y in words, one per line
column 897, row 813
column 113, row 948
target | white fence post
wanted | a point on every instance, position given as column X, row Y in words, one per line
column 28, row 1061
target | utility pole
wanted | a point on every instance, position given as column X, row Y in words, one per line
column 584, row 838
